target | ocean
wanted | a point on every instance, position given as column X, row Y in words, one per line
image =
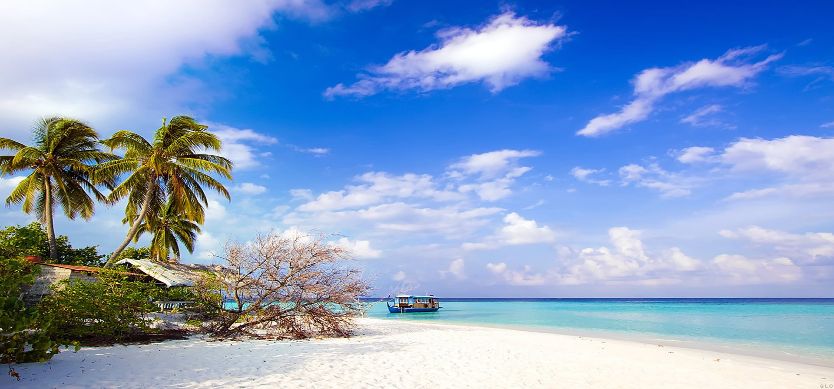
column 796, row 329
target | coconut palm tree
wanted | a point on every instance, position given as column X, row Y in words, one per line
column 61, row 163
column 167, row 227
column 174, row 166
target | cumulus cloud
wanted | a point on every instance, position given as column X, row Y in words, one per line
column 516, row 231
column 733, row 69
column 117, row 71
column 523, row 277
column 376, row 187
column 800, row 156
column 586, row 175
column 502, row 53
column 358, row 248
column 742, row 270
column 652, row 176
column 696, row 154
column 496, row 268
column 455, row 268
column 494, row 171
column 250, row 188
column 809, row 247
column 242, row 146
column 627, row 261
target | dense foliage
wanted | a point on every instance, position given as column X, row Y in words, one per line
column 134, row 253
column 25, row 336
column 172, row 169
column 112, row 309
column 60, row 167
column 32, row 239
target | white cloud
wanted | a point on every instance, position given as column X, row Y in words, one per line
column 696, row 154
column 628, row 261
column 120, row 62
column 302, row 194
column 496, row 268
column 516, row 231
column 241, row 145
column 742, row 270
column 358, row 248
column 399, row 276
column 215, row 210
column 364, row 5
column 250, row 188
column 456, row 269
column 586, row 175
column 827, row 125
column 449, row 221
column 7, row 184
column 495, row 172
column 491, row 164
column 377, row 187
column 799, row 156
column 809, row 247
column 505, row 51
column 524, row 277
column 734, row 68
column 704, row 117
column 654, row 177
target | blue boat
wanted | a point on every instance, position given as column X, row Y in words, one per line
column 404, row 303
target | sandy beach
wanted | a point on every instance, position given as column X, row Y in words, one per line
column 416, row 355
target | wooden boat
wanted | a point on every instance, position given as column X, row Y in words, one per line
column 404, row 303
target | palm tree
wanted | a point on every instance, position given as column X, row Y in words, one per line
column 169, row 226
column 173, row 166
column 61, row 165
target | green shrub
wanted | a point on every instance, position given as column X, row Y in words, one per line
column 134, row 253
column 110, row 310
column 24, row 334
column 20, row 241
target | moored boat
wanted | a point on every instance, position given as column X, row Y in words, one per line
column 404, row 303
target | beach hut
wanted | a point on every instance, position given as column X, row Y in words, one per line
column 53, row 273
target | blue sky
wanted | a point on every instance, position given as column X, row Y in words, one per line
column 475, row 148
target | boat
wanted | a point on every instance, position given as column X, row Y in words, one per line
column 405, row 303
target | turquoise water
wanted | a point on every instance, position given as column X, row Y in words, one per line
column 801, row 327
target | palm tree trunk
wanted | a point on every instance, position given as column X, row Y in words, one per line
column 146, row 203
column 47, row 220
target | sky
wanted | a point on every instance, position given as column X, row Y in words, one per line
column 473, row 149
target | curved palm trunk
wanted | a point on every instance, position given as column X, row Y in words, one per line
column 146, row 202
column 47, row 220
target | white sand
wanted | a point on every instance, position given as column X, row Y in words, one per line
column 416, row 355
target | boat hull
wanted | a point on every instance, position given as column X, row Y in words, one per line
column 411, row 310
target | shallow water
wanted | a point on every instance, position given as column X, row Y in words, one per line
column 791, row 327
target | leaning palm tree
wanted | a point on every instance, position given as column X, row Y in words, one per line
column 167, row 227
column 61, row 164
column 174, row 166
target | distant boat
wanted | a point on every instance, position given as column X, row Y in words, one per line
column 408, row 304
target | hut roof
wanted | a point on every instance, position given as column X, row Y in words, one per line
column 168, row 274
column 87, row 269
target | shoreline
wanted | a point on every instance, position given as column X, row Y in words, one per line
column 764, row 351
column 388, row 353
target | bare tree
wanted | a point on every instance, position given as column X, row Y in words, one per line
column 283, row 286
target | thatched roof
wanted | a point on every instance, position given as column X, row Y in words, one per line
column 170, row 274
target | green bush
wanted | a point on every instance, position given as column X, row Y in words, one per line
column 20, row 241
column 25, row 336
column 134, row 253
column 110, row 310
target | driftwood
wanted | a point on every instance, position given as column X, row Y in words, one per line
column 288, row 287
